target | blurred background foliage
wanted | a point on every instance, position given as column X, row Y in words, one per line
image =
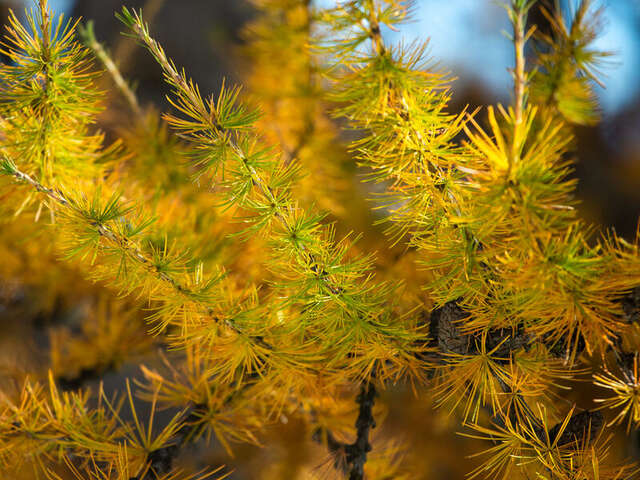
column 208, row 37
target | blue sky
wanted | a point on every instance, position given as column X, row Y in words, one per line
column 61, row 5
column 465, row 37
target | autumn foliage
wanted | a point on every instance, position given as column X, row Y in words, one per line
column 302, row 263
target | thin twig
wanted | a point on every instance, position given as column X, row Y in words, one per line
column 121, row 84
column 519, row 73
column 208, row 115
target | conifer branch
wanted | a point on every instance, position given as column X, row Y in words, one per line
column 561, row 67
column 517, row 282
column 519, row 23
column 48, row 99
column 374, row 30
column 568, row 64
column 177, row 80
column 44, row 133
column 518, row 15
column 410, row 137
column 131, row 248
column 224, row 135
column 45, row 27
column 109, row 234
column 207, row 114
column 357, row 452
column 350, row 458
